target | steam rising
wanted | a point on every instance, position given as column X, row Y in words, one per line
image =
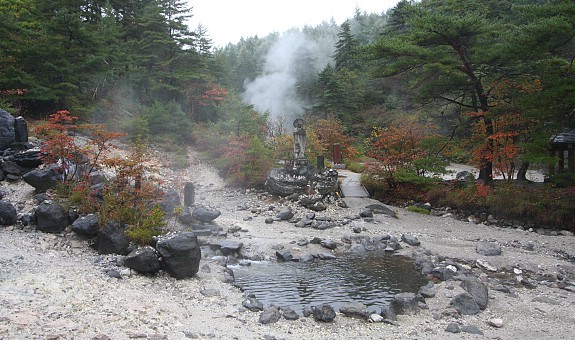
column 287, row 63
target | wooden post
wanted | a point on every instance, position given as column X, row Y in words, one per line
column 336, row 154
column 561, row 164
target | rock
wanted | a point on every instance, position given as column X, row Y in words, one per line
column 326, row 256
column 253, row 304
column 20, row 130
column 269, row 315
column 8, row 213
column 453, row 328
column 7, row 133
column 112, row 240
column 471, row 330
column 465, row 176
column 478, row 290
column 12, row 168
column 189, row 194
column 366, row 213
column 86, row 226
column 427, row 291
column 486, row 265
column 355, row 310
column 285, row 214
column 169, row 200
column 381, row 209
column 317, row 206
column 375, row 318
column 284, row 255
column 465, row 304
column 270, row 220
column 50, row 217
column 443, row 273
column 180, row 254
column 410, row 239
column 488, row 248
column 496, row 322
column 289, row 314
column 329, row 244
column 186, row 216
column 566, row 233
column 388, row 313
column 406, row 303
column 205, row 215
column 143, row 260
column 228, row 247
column 28, row 158
column 323, row 313
column 43, row 179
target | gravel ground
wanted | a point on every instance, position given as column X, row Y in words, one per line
column 56, row 287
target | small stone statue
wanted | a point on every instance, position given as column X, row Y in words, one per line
column 299, row 139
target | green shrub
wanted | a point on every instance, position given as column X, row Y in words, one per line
column 418, row 210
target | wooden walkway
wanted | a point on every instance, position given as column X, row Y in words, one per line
column 350, row 184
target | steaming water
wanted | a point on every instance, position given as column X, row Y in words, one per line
column 372, row 278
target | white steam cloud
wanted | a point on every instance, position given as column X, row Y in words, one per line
column 287, row 61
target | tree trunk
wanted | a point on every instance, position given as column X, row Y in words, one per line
column 522, row 171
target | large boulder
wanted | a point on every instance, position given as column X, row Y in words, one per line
column 112, row 239
column 323, row 313
column 488, row 248
column 51, row 217
column 143, row 260
column 205, row 215
column 180, row 254
column 478, row 291
column 20, row 130
column 43, row 179
column 7, row 134
column 86, row 225
column 8, row 214
column 465, row 304
column 406, row 303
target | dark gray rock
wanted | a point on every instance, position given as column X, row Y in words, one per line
column 86, row 225
column 285, row 214
column 7, row 133
column 427, row 291
column 381, row 209
column 253, row 304
column 8, row 213
column 28, row 158
column 189, row 194
column 180, row 254
column 355, row 310
column 186, row 216
column 366, row 213
column 284, row 255
column 289, row 313
column 270, row 314
column 20, row 130
column 323, row 313
column 270, row 220
column 443, row 273
column 478, row 290
column 465, row 304
column 388, row 313
column 406, row 303
column 143, row 260
column 453, row 328
column 12, row 168
column 307, row 311
column 471, row 329
column 205, row 215
column 43, row 179
column 329, row 244
column 112, row 239
column 228, row 247
column 326, row 256
column 465, row 176
column 51, row 217
column 488, row 248
column 169, row 200
column 410, row 239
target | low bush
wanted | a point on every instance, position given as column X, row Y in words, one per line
column 418, row 210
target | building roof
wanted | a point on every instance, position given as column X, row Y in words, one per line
column 565, row 137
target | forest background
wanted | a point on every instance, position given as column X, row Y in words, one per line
column 403, row 92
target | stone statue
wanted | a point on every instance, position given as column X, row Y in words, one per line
column 299, row 139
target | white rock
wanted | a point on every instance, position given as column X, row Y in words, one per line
column 486, row 265
column 496, row 322
column 375, row 318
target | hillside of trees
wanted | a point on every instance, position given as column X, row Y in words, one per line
column 404, row 92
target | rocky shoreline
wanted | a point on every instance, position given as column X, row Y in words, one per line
column 55, row 286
